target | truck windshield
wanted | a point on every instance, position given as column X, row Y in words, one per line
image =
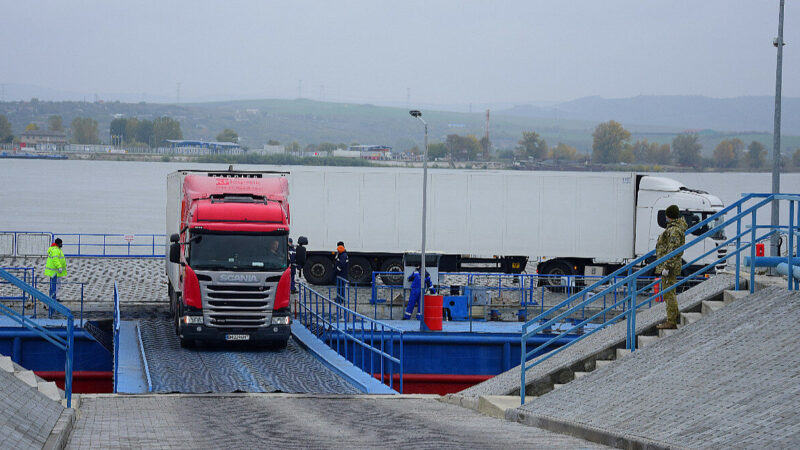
column 693, row 218
column 260, row 253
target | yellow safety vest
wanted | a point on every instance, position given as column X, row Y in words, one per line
column 56, row 263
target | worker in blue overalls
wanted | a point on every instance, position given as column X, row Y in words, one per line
column 341, row 272
column 413, row 299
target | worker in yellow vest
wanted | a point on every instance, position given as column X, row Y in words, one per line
column 56, row 266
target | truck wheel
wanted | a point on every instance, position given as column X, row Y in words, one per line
column 392, row 265
column 187, row 343
column 172, row 301
column 318, row 270
column 553, row 272
column 176, row 317
column 360, row 270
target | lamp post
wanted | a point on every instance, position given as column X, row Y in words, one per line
column 418, row 115
column 776, row 137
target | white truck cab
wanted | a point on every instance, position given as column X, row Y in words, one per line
column 655, row 194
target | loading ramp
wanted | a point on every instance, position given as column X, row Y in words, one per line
column 221, row 369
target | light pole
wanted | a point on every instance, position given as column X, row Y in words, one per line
column 418, row 115
column 774, row 249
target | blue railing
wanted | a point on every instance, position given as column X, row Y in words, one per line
column 29, row 276
column 35, row 243
column 532, row 291
column 745, row 209
column 66, row 344
column 367, row 343
column 116, row 335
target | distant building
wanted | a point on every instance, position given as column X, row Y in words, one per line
column 268, row 150
column 43, row 140
column 373, row 151
column 194, row 147
column 346, row 153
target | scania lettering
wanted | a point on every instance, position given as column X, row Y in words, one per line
column 227, row 256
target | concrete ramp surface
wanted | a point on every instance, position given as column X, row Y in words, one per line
column 27, row 417
column 223, row 369
column 726, row 381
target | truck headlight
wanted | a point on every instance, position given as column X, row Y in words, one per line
column 193, row 320
column 281, row 320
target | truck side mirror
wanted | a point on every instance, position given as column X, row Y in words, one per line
column 662, row 218
column 174, row 252
column 174, row 237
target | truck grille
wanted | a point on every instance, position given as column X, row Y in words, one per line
column 227, row 305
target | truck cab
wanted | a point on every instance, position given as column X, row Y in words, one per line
column 228, row 269
column 654, row 195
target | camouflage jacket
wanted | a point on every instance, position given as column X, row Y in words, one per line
column 673, row 237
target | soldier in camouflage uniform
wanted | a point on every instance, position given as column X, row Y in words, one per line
column 672, row 238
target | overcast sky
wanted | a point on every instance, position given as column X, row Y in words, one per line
column 369, row 51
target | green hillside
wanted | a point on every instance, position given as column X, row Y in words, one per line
column 313, row 122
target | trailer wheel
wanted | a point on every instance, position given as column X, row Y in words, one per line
column 392, row 265
column 553, row 272
column 318, row 270
column 360, row 270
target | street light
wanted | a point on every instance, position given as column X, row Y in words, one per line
column 418, row 115
column 776, row 137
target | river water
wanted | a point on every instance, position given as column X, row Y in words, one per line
column 78, row 196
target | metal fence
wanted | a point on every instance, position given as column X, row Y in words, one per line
column 27, row 243
column 493, row 296
column 18, row 299
column 367, row 343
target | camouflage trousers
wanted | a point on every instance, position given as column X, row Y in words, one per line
column 671, row 299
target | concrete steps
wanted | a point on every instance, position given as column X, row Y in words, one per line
column 643, row 340
column 708, row 302
column 688, row 318
column 46, row 388
column 496, row 405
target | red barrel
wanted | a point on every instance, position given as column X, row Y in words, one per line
column 432, row 315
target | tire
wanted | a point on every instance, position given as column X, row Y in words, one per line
column 187, row 343
column 360, row 270
column 392, row 265
column 279, row 345
column 318, row 270
column 176, row 316
column 171, row 296
column 553, row 271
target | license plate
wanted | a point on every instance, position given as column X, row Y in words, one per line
column 237, row 337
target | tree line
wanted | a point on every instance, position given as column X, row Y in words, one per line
column 611, row 145
column 145, row 133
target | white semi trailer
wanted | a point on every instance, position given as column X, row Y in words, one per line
column 487, row 221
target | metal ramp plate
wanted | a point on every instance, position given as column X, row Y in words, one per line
column 220, row 369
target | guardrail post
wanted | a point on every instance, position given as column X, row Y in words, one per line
column 790, row 279
column 738, row 244
column 523, row 356
column 68, row 363
column 753, row 253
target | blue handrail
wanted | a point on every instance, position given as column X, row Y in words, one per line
column 627, row 275
column 66, row 344
column 334, row 322
column 116, row 335
column 96, row 245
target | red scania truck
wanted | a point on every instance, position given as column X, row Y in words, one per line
column 227, row 256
